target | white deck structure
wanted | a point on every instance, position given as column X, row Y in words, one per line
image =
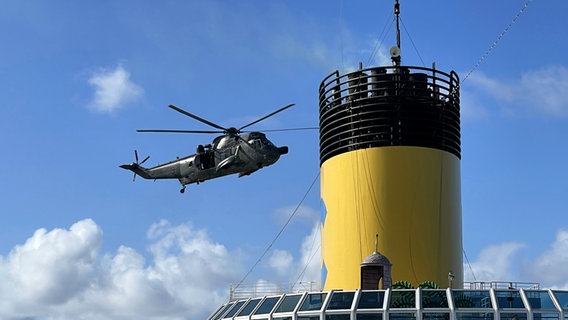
column 443, row 304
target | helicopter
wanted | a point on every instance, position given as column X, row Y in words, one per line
column 233, row 152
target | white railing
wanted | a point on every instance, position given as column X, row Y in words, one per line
column 268, row 288
column 484, row 285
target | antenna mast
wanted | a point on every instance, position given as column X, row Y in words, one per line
column 395, row 51
column 397, row 13
column 377, row 242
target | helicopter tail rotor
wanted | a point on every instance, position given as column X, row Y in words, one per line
column 136, row 156
column 135, row 165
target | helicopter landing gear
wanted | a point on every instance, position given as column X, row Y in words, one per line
column 182, row 190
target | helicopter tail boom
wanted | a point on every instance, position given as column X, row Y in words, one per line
column 137, row 169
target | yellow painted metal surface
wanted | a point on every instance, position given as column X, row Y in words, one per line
column 410, row 197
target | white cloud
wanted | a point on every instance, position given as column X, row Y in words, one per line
column 471, row 107
column 303, row 273
column 504, row 262
column 310, row 261
column 550, row 266
column 60, row 274
column 303, row 214
column 494, row 263
column 541, row 91
column 306, row 268
column 280, row 261
column 113, row 89
column 48, row 269
column 545, row 90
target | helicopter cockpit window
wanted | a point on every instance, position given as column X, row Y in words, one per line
column 263, row 140
column 215, row 144
column 267, row 142
column 256, row 143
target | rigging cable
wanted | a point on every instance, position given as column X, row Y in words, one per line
column 379, row 42
column 469, row 265
column 499, row 37
column 357, row 196
column 341, row 32
column 279, row 233
column 412, row 41
column 371, row 185
column 301, row 275
column 476, row 66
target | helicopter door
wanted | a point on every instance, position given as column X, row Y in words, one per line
column 205, row 160
column 197, row 162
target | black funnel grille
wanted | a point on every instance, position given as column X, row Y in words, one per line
column 389, row 106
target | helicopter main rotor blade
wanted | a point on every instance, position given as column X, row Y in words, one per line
column 214, row 125
column 291, row 129
column 267, row 116
column 181, row 131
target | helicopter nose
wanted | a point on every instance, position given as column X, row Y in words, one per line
column 283, row 150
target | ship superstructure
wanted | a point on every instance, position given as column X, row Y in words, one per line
column 497, row 303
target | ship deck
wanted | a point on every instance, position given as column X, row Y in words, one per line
column 448, row 304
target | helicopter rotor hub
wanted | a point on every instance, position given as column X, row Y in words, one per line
column 232, row 131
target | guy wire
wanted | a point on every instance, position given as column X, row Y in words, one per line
column 279, row 233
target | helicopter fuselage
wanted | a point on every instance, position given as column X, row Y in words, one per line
column 240, row 154
column 234, row 152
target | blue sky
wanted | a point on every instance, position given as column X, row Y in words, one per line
column 79, row 240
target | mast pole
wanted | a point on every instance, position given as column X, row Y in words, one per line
column 397, row 13
column 395, row 51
